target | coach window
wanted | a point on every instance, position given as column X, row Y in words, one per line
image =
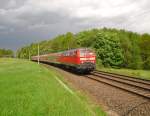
column 64, row 54
column 67, row 53
column 72, row 53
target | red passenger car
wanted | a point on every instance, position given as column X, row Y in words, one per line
column 81, row 59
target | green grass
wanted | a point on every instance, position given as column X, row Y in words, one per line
column 144, row 74
column 29, row 89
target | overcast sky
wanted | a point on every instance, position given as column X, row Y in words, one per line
column 26, row 21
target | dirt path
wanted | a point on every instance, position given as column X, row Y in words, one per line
column 114, row 101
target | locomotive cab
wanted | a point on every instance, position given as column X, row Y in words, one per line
column 86, row 59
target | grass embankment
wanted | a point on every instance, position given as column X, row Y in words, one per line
column 143, row 74
column 28, row 89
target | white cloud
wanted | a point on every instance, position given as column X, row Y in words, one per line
column 50, row 17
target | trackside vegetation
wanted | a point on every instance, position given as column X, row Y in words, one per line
column 143, row 74
column 6, row 53
column 29, row 89
column 114, row 48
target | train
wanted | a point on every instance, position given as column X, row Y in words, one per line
column 81, row 60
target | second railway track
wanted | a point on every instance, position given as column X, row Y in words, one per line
column 133, row 85
column 140, row 80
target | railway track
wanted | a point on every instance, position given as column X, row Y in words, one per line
column 136, row 86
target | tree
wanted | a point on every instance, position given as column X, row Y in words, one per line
column 145, row 50
column 108, row 49
column 6, row 53
column 136, row 61
column 126, row 46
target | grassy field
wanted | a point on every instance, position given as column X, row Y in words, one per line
column 29, row 89
column 144, row 74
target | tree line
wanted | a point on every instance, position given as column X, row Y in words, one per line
column 113, row 47
column 6, row 53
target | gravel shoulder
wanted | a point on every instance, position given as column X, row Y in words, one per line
column 114, row 101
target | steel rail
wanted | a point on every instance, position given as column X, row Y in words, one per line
column 132, row 88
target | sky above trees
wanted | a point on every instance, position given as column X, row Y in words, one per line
column 26, row 21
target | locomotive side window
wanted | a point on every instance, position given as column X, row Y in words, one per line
column 75, row 53
column 72, row 53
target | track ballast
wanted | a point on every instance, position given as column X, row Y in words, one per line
column 133, row 85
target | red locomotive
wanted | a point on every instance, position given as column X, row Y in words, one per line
column 81, row 59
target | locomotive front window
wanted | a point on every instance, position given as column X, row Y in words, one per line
column 86, row 52
column 82, row 53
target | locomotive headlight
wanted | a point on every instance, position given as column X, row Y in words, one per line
column 92, row 58
column 83, row 58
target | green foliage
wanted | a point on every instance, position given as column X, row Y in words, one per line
column 108, row 49
column 147, row 63
column 145, row 50
column 143, row 74
column 114, row 48
column 99, row 62
column 126, row 47
column 136, row 60
column 6, row 53
column 86, row 38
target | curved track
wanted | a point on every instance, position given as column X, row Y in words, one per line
column 133, row 85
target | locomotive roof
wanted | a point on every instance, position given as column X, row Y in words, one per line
column 74, row 50
column 64, row 51
column 79, row 49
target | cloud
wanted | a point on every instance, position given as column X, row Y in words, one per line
column 26, row 21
